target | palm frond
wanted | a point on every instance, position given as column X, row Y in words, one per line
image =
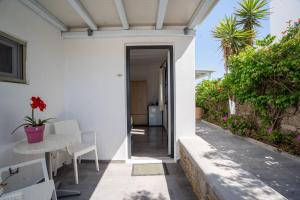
column 251, row 12
column 232, row 38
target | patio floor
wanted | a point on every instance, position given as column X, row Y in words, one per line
column 114, row 182
column 278, row 171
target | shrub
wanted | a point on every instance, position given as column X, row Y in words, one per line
column 211, row 98
column 239, row 125
column 268, row 76
column 276, row 137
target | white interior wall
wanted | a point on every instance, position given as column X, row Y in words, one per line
column 96, row 88
column 44, row 74
column 283, row 11
column 150, row 73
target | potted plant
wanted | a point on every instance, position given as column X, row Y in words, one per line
column 199, row 112
column 198, row 103
column 34, row 128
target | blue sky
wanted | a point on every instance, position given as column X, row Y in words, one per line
column 208, row 54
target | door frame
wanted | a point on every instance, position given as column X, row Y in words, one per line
column 171, row 97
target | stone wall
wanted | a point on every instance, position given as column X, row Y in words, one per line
column 289, row 123
column 195, row 176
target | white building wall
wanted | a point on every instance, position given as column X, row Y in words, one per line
column 283, row 11
column 80, row 79
column 185, row 93
column 44, row 74
column 96, row 93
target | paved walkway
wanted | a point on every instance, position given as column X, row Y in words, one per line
column 277, row 171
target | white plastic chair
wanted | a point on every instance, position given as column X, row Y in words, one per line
column 41, row 191
column 86, row 142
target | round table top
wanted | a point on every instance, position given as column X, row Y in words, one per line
column 51, row 142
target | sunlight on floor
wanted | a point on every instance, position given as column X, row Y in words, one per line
column 118, row 183
column 138, row 131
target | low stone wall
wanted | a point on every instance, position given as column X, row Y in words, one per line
column 213, row 176
column 195, row 176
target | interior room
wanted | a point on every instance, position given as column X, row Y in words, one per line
column 149, row 103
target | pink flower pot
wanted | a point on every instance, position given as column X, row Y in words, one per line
column 34, row 134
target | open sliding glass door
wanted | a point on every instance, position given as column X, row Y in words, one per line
column 169, row 106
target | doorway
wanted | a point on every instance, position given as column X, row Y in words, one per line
column 150, row 102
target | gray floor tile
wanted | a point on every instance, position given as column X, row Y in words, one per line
column 277, row 171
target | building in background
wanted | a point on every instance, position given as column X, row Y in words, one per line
column 281, row 13
column 203, row 75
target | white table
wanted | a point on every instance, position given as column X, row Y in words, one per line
column 51, row 143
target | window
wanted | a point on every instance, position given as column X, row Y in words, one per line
column 12, row 59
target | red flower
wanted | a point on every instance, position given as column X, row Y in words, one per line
column 42, row 106
column 298, row 137
column 37, row 102
column 34, row 103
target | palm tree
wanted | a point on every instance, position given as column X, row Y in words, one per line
column 250, row 13
column 232, row 38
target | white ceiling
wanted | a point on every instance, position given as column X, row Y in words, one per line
column 179, row 12
column 141, row 12
column 138, row 12
column 65, row 13
column 103, row 12
column 114, row 18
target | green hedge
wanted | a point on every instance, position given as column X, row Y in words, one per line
column 210, row 96
column 268, row 76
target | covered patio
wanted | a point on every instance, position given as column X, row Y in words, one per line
column 107, row 89
column 72, row 56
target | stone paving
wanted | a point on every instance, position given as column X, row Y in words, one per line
column 278, row 171
column 114, row 182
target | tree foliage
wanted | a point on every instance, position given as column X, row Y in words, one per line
column 231, row 37
column 249, row 15
column 212, row 99
column 265, row 78
column 250, row 12
column 268, row 76
column 238, row 31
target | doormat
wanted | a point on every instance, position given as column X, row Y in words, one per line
column 151, row 169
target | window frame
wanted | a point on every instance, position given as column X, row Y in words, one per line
column 21, row 66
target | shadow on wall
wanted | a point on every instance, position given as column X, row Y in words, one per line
column 111, row 140
column 144, row 195
column 178, row 184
